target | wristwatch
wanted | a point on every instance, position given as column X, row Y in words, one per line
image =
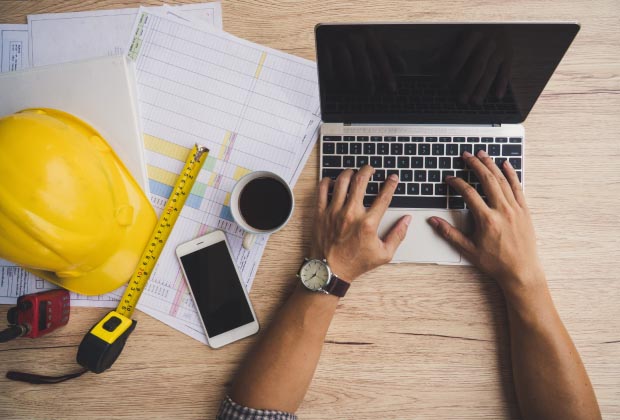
column 316, row 276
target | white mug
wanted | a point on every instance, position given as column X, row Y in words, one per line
column 251, row 232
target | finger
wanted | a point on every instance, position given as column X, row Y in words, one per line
column 454, row 236
column 462, row 53
column 396, row 235
column 322, row 194
column 477, row 66
column 382, row 202
column 340, row 189
column 487, row 80
column 359, row 182
column 501, row 179
column 489, row 183
column 515, row 185
column 470, row 195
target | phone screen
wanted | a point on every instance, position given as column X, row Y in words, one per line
column 217, row 289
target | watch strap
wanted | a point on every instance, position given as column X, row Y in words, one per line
column 337, row 286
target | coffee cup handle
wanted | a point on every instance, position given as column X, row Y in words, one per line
column 248, row 240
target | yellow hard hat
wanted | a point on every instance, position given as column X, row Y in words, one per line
column 70, row 212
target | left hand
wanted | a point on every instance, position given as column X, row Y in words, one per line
column 503, row 244
column 345, row 232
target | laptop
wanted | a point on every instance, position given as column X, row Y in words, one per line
column 411, row 98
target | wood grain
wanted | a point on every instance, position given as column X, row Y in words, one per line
column 409, row 341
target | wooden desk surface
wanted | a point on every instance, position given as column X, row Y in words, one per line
column 409, row 341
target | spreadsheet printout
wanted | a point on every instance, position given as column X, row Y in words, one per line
column 255, row 108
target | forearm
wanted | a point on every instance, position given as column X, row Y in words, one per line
column 279, row 370
column 550, row 379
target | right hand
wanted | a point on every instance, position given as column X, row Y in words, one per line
column 345, row 232
column 503, row 244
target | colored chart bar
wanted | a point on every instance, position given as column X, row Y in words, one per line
column 239, row 172
column 226, row 214
column 164, row 147
column 161, row 182
column 260, row 65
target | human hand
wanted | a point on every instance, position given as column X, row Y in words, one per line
column 345, row 232
column 503, row 243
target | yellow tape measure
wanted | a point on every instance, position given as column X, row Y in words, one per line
column 102, row 345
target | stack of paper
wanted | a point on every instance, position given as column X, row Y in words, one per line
column 254, row 108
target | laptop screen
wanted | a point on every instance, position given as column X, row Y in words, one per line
column 436, row 73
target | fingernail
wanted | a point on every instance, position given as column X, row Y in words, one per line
column 407, row 220
column 449, row 178
column 467, row 154
column 394, row 177
column 433, row 222
column 507, row 164
column 483, row 153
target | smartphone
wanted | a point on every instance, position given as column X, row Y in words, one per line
column 217, row 289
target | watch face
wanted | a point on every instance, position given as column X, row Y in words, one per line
column 314, row 274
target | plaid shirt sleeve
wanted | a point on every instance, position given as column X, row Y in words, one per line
column 230, row 410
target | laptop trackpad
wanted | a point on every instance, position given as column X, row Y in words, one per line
column 422, row 244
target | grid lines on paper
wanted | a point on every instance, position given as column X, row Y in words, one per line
column 248, row 104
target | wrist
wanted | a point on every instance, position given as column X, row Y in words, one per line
column 520, row 285
column 315, row 301
column 526, row 297
column 341, row 270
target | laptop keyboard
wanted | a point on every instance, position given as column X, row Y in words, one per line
column 421, row 163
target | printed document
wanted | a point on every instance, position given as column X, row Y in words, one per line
column 255, row 108
column 62, row 37
column 13, row 47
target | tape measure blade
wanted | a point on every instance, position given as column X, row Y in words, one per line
column 167, row 219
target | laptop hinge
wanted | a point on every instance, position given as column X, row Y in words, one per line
column 496, row 125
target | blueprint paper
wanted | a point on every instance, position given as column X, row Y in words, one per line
column 14, row 47
column 63, row 37
column 255, row 108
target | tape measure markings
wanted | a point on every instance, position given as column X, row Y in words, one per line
column 168, row 218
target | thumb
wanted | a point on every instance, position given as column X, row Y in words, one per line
column 397, row 234
column 451, row 234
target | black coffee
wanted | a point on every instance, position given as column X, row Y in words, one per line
column 265, row 203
